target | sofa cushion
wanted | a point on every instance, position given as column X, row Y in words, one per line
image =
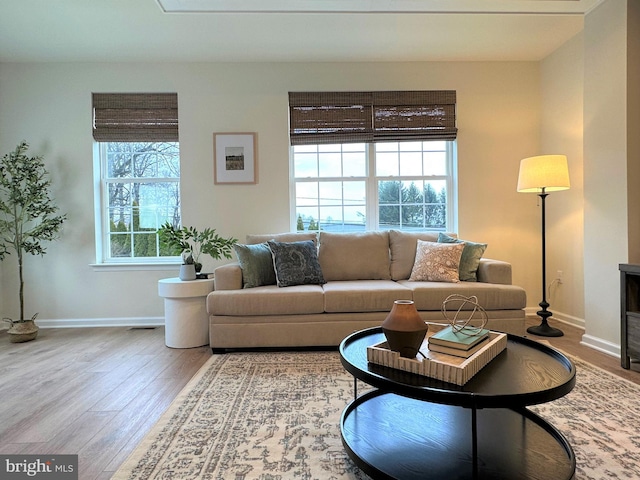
column 354, row 256
column 296, row 263
column 282, row 237
column 267, row 300
column 437, row 262
column 363, row 295
column 256, row 263
column 430, row 295
column 470, row 259
column 402, row 246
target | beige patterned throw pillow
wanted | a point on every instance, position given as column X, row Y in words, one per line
column 437, row 262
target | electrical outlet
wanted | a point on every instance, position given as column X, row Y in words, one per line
column 559, row 276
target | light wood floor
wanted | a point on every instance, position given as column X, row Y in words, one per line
column 95, row 392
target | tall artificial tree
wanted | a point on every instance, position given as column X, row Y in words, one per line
column 27, row 213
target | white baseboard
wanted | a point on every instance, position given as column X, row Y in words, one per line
column 101, row 322
column 559, row 316
column 601, row 345
column 590, row 341
column 569, row 320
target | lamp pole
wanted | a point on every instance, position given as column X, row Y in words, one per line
column 544, row 329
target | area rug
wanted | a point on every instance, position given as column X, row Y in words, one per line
column 275, row 416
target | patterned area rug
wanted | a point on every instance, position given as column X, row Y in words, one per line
column 275, row 416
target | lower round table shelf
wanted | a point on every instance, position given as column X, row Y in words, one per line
column 186, row 322
column 393, row 437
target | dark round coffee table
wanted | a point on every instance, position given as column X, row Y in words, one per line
column 415, row 427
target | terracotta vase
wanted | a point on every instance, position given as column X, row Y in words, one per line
column 23, row 331
column 404, row 329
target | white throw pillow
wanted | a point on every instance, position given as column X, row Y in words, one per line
column 437, row 262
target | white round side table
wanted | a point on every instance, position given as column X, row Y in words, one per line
column 186, row 323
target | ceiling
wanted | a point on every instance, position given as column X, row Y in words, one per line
column 286, row 30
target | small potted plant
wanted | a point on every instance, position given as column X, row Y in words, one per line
column 27, row 220
column 191, row 244
column 188, row 268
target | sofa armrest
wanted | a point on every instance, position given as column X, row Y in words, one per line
column 494, row 271
column 228, row 277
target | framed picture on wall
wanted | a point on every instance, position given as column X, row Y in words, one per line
column 235, row 158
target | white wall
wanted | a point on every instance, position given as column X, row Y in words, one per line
column 49, row 105
column 562, row 123
column 605, row 170
column 633, row 127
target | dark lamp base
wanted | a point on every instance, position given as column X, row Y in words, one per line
column 545, row 330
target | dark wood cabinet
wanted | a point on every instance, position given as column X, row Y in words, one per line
column 629, row 313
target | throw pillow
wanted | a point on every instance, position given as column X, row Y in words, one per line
column 354, row 256
column 296, row 263
column 256, row 264
column 470, row 259
column 437, row 262
column 402, row 246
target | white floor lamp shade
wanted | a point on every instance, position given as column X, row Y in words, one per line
column 548, row 172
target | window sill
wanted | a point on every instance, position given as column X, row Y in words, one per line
column 119, row 267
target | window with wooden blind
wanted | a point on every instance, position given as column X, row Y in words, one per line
column 373, row 160
column 137, row 160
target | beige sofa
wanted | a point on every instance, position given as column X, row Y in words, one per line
column 364, row 273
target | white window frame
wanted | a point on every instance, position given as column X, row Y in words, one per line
column 103, row 258
column 371, row 188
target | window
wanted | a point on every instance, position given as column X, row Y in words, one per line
column 140, row 186
column 373, row 160
column 137, row 158
column 410, row 188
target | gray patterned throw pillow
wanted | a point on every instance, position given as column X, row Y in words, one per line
column 296, row 263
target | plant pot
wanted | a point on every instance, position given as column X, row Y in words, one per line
column 188, row 272
column 404, row 329
column 23, row 331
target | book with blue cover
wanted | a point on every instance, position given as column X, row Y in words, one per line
column 464, row 339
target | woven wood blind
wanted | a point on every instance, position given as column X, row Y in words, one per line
column 135, row 117
column 348, row 117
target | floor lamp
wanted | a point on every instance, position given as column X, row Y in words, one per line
column 541, row 175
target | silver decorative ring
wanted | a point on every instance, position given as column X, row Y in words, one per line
column 463, row 325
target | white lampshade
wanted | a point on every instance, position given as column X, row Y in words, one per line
column 550, row 172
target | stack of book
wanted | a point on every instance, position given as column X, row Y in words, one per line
column 463, row 343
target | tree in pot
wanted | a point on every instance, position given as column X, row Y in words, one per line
column 191, row 243
column 27, row 220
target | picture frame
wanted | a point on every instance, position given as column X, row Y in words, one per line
column 235, row 158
